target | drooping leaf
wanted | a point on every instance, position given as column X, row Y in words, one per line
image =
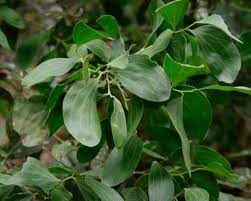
column 49, row 68
column 4, row 41
column 174, row 11
column 155, row 17
column 241, row 89
column 244, row 48
column 212, row 161
column 221, row 54
column 30, row 47
column 175, row 111
column 196, row 194
column 160, row 184
column 197, row 114
column 178, row 72
column 178, row 47
column 82, row 33
column 86, row 154
column 118, row 124
column 134, row 194
column 100, row 48
column 110, row 25
column 102, row 191
column 135, row 113
column 120, row 62
column 159, row 45
column 80, row 113
column 28, row 122
column 156, row 88
column 216, row 20
column 11, row 17
column 122, row 162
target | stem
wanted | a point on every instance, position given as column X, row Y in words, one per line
column 123, row 94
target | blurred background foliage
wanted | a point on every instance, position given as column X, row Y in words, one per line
column 40, row 29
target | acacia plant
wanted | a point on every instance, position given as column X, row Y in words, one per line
column 145, row 107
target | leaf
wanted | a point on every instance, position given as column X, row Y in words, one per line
column 29, row 47
column 54, row 96
column 104, row 192
column 118, row 124
column 241, row 89
column 120, row 62
column 160, row 184
column 155, row 17
column 35, row 174
column 159, row 45
column 86, row 154
column 197, row 114
column 87, row 193
column 217, row 20
column 82, row 33
column 134, row 194
column 4, row 41
column 196, row 194
column 212, row 161
column 122, row 162
column 175, row 111
column 178, row 72
column 174, row 12
column 178, row 47
column 80, row 113
column 11, row 17
column 207, row 181
column 100, row 48
column 157, row 88
column 135, row 113
column 49, row 68
column 110, row 25
column 28, row 122
column 221, row 54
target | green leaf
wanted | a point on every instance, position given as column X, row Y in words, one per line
column 49, row 68
column 104, row 192
column 135, row 113
column 217, row 20
column 86, row 154
column 159, row 45
column 35, row 174
column 178, row 47
column 241, row 89
column 80, row 113
column 4, row 41
column 160, row 184
column 155, row 17
column 175, row 111
column 196, row 194
column 28, row 122
column 157, row 88
column 174, row 12
column 120, row 62
column 82, row 33
column 207, row 181
column 197, row 114
column 178, row 72
column 110, row 25
column 118, row 124
column 54, row 96
column 134, row 194
column 29, row 47
column 221, row 54
column 87, row 193
column 212, row 161
column 100, row 48
column 11, row 17
column 122, row 162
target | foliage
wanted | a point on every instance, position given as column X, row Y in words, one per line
column 121, row 121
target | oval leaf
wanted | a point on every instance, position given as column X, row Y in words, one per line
column 118, row 124
column 161, row 186
column 196, row 194
column 122, row 162
column 80, row 113
column 49, row 68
